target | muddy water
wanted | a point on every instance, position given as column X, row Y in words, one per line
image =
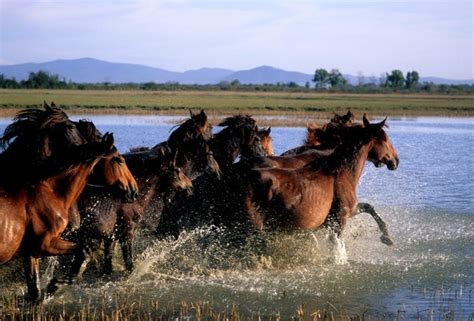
column 427, row 203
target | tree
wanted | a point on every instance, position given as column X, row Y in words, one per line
column 292, row 84
column 307, row 85
column 360, row 78
column 412, row 79
column 321, row 78
column 336, row 79
column 395, row 79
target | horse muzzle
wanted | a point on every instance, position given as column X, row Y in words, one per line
column 130, row 194
column 392, row 164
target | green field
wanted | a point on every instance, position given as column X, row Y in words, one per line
column 226, row 102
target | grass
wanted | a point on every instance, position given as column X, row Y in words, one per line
column 224, row 102
column 126, row 309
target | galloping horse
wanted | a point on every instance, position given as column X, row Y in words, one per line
column 157, row 173
column 321, row 142
column 44, row 168
column 324, row 189
column 184, row 211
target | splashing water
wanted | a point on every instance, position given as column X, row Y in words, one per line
column 428, row 271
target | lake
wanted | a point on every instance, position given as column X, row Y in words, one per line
column 428, row 204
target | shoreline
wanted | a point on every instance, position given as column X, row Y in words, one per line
column 264, row 117
column 274, row 108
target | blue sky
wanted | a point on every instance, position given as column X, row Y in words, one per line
column 373, row 36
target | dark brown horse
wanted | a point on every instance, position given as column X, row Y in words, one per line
column 325, row 189
column 43, row 171
column 239, row 135
column 157, row 173
column 111, row 173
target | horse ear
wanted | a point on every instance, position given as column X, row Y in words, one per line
column 269, row 130
column 108, row 140
column 46, row 106
column 381, row 124
column 349, row 116
column 191, row 113
column 53, row 104
column 366, row 121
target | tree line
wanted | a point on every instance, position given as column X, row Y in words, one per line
column 324, row 81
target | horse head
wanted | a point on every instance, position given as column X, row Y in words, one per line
column 173, row 177
column 111, row 170
column 203, row 158
column 201, row 124
column 346, row 119
column 382, row 151
column 266, row 140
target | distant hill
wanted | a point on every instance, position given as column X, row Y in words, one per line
column 268, row 75
column 89, row 70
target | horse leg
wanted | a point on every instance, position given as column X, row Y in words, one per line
column 54, row 245
column 339, row 247
column 32, row 270
column 367, row 208
column 109, row 246
column 335, row 222
column 78, row 266
column 127, row 252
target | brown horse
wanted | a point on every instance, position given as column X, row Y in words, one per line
column 327, row 137
column 313, row 133
column 325, row 189
column 266, row 140
column 34, row 208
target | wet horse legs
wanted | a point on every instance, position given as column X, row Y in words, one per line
column 32, row 267
column 367, row 208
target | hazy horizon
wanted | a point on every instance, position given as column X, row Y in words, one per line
column 373, row 37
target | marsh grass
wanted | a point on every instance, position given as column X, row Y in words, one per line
column 228, row 102
column 126, row 309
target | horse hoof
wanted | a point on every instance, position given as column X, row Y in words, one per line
column 386, row 240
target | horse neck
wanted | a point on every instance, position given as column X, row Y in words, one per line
column 148, row 187
column 356, row 164
column 226, row 148
column 70, row 183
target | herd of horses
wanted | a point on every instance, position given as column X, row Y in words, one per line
column 65, row 189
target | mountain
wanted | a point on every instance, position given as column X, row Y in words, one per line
column 89, row 70
column 204, row 76
column 268, row 75
column 444, row 81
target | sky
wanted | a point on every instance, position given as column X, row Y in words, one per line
column 370, row 37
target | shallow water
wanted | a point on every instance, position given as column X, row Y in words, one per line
column 427, row 203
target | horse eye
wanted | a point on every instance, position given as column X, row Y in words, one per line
column 118, row 160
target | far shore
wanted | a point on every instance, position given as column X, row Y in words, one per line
column 270, row 108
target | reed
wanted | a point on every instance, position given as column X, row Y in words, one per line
column 127, row 309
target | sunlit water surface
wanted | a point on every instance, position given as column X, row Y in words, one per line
column 428, row 204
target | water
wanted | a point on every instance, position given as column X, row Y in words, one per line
column 427, row 204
